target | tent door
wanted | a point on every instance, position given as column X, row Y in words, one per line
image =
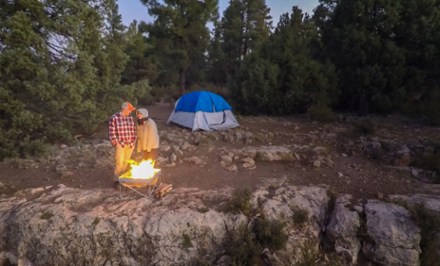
column 215, row 118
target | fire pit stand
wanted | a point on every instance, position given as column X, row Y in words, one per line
column 136, row 183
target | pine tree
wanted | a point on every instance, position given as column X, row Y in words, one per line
column 180, row 36
column 244, row 27
column 282, row 77
column 59, row 71
column 140, row 65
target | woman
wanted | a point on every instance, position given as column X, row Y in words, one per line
column 147, row 136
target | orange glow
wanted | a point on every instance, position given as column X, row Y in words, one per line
column 142, row 170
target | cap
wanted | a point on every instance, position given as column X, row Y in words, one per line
column 127, row 104
column 144, row 112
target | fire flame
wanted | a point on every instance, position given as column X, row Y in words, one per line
column 142, row 170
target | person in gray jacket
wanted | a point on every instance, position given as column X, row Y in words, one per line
column 147, row 136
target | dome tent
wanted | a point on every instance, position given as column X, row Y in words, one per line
column 203, row 110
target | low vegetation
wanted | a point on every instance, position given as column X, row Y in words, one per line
column 246, row 243
column 240, row 202
column 241, row 246
column 429, row 223
column 46, row 216
column 364, row 127
column 299, row 217
column 186, row 241
column 270, row 234
column 430, row 160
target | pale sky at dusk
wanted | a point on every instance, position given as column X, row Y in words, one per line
column 134, row 9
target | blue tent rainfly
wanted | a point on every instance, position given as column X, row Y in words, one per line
column 203, row 110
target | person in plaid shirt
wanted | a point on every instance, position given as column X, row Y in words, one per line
column 122, row 134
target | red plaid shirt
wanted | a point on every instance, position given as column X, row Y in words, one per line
column 121, row 129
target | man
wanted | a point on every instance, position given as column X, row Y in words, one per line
column 122, row 134
column 148, row 138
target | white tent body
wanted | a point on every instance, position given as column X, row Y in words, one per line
column 204, row 120
column 203, row 110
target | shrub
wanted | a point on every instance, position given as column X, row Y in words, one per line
column 240, row 202
column 240, row 245
column 46, row 216
column 320, row 112
column 164, row 94
column 381, row 103
column 310, row 255
column 300, row 217
column 33, row 148
column 96, row 221
column 365, row 127
column 430, row 160
column 270, row 234
column 429, row 223
column 186, row 242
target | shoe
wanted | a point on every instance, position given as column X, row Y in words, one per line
column 117, row 185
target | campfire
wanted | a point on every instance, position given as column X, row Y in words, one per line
column 141, row 170
column 140, row 174
column 143, row 174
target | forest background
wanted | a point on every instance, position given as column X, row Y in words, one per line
column 66, row 66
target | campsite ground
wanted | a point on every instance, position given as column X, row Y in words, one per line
column 351, row 170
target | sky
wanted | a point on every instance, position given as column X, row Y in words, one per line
column 134, row 9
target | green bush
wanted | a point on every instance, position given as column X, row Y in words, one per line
column 96, row 221
column 300, row 217
column 430, row 160
column 240, row 245
column 46, row 215
column 270, row 234
column 310, row 255
column 321, row 113
column 381, row 103
column 34, row 148
column 186, row 241
column 364, row 127
column 429, row 223
column 164, row 94
column 240, row 202
column 245, row 243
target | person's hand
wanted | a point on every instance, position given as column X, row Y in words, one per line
column 118, row 144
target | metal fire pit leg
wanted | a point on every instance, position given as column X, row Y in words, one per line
column 151, row 189
column 142, row 194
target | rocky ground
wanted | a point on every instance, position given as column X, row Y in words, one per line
column 294, row 149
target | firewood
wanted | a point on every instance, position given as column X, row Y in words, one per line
column 164, row 190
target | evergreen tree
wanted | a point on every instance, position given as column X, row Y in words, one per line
column 386, row 53
column 282, row 77
column 60, row 63
column 244, row 27
column 180, row 36
column 418, row 34
column 216, row 62
column 140, row 65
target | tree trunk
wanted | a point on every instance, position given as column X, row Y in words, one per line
column 182, row 79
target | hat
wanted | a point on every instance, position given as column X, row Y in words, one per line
column 127, row 104
column 144, row 112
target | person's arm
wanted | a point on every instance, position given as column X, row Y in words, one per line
column 133, row 133
column 112, row 131
column 153, row 136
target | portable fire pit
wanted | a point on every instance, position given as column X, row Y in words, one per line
column 141, row 175
column 136, row 183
